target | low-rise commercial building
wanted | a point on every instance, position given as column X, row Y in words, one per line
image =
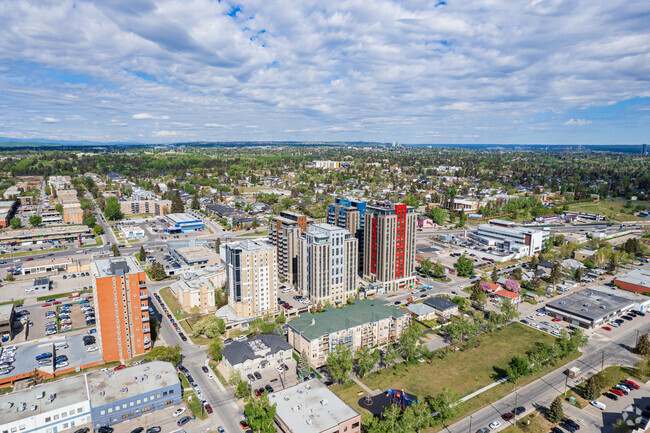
column 506, row 235
column 362, row 324
column 43, row 235
column 588, row 308
column 583, row 254
column 194, row 253
column 194, row 293
column 42, row 284
column 637, row 281
column 183, row 223
column 262, row 353
column 310, row 407
column 132, row 232
column 641, row 302
column 44, row 265
column 7, row 317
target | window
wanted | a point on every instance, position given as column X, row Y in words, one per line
column 65, row 425
column 131, row 404
column 49, row 430
column 138, row 401
column 164, row 393
column 47, row 419
column 56, row 417
column 168, row 402
column 71, row 412
column 124, row 406
column 80, row 409
column 110, row 410
column 355, row 425
column 171, row 391
column 158, row 395
column 22, row 427
column 146, row 399
column 146, row 409
column 103, row 412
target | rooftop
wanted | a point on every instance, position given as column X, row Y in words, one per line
column 180, row 218
column 42, row 398
column 186, row 284
column 420, row 309
column 632, row 296
column 5, row 311
column 240, row 351
column 310, row 407
column 590, row 304
column 50, row 231
column 109, row 386
column 313, row 326
column 251, row 245
column 41, row 281
column 639, row 277
column 439, row 303
column 115, row 266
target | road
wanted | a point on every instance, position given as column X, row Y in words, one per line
column 602, row 349
column 226, row 412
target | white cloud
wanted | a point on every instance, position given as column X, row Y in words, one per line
column 146, row 116
column 51, row 120
column 578, row 122
column 215, row 125
column 167, row 133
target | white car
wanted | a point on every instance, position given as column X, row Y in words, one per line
column 494, row 425
column 92, row 349
column 598, row 405
column 179, row 411
column 530, row 317
column 279, row 368
column 240, row 338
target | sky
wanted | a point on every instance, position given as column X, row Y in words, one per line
column 483, row 71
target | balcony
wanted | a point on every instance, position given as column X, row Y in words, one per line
column 147, row 345
column 143, row 296
column 145, row 318
column 143, row 284
column 144, row 307
column 146, row 330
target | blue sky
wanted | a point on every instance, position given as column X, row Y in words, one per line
column 485, row 71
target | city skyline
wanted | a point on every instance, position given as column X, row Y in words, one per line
column 547, row 72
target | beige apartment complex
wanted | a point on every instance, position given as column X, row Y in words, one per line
column 284, row 232
column 327, row 264
column 195, row 293
column 154, row 207
column 252, row 278
column 389, row 248
column 367, row 323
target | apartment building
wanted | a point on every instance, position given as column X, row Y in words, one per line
column 252, row 278
column 193, row 292
column 327, row 264
column 121, row 307
column 284, row 232
column 363, row 324
column 154, row 207
column 389, row 250
column 349, row 214
column 510, row 237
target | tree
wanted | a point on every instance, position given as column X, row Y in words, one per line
column 447, row 405
column 195, row 203
column 303, row 365
column 59, row 207
column 464, row 266
column 534, row 262
column 98, row 230
column 612, row 265
column 463, row 303
column 177, row 203
column 142, row 255
column 241, row 390
column 15, row 223
column 214, row 350
column 281, row 319
column 437, row 215
column 517, row 273
column 517, row 367
column 261, row 414
column 340, row 362
column 462, row 221
column 478, row 296
column 235, row 378
column 112, row 209
column 592, row 388
column 211, row 326
column 408, row 343
column 165, row 353
column 513, row 286
column 10, row 277
column 578, row 274
column 426, row 266
column 90, row 221
column 495, row 275
column 390, row 355
column 556, row 273
column 620, row 426
column 643, row 345
column 555, row 413
column 115, row 250
column 156, row 271
column 416, row 417
column 367, row 361
column 217, row 245
column 35, row 220
column 438, row 271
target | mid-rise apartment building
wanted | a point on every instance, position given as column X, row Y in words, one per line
column 389, row 250
column 327, row 264
column 121, row 307
column 284, row 232
column 154, row 207
column 194, row 292
column 349, row 214
column 252, row 278
column 367, row 323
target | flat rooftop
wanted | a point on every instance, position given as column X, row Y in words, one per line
column 36, row 400
column 590, row 304
column 251, row 245
column 632, row 296
column 114, row 266
column 182, row 218
column 314, row 326
column 196, row 253
column 48, row 232
column 310, row 407
column 5, row 312
column 639, row 277
column 109, row 386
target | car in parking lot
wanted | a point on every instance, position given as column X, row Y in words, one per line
column 105, row 429
column 257, row 375
column 630, row 383
column 155, row 429
column 494, row 425
column 179, row 411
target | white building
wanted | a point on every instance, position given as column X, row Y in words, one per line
column 132, row 232
column 506, row 235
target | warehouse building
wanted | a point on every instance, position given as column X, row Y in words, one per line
column 637, row 281
column 183, row 223
column 589, row 308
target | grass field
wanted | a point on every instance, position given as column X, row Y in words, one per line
column 172, row 303
column 463, row 371
column 613, row 209
column 194, row 404
column 31, row 253
column 98, row 243
column 15, row 302
column 251, row 234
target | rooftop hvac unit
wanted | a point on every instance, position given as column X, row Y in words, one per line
column 308, row 386
column 51, row 398
column 323, row 402
column 124, row 389
column 21, row 407
column 41, row 395
column 7, row 405
column 34, row 407
column 308, row 421
column 102, row 392
column 286, row 398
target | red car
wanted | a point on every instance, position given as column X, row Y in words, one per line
column 557, row 320
column 119, row 367
column 607, row 328
column 175, row 325
column 508, row 416
column 56, row 303
column 630, row 383
column 47, row 304
column 29, row 259
column 616, row 391
column 208, row 408
column 243, row 424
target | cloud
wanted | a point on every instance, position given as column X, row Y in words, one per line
column 578, row 122
column 51, row 120
column 167, row 133
column 146, row 116
column 215, row 125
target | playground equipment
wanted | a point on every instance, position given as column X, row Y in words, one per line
column 400, row 398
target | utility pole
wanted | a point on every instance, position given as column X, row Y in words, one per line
column 566, row 380
column 470, row 424
column 516, row 411
column 602, row 361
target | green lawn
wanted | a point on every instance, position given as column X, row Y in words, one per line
column 98, row 243
column 173, row 304
column 15, row 302
column 213, row 367
column 31, row 253
column 613, row 209
column 184, row 383
column 251, row 234
column 62, row 295
column 195, row 404
column 463, row 371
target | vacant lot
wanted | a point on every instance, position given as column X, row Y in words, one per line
column 613, row 209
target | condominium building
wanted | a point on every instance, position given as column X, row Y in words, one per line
column 193, row 292
column 252, row 278
column 510, row 237
column 389, row 250
column 327, row 264
column 349, row 214
column 367, row 323
column 154, row 207
column 122, row 308
column 284, row 232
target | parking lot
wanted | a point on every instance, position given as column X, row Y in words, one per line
column 35, row 320
column 296, row 306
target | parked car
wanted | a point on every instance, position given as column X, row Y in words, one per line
column 599, row 405
column 494, row 425
column 179, row 411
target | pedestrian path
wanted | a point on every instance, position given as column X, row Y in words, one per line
column 365, row 388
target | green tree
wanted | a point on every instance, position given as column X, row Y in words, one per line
column 426, row 266
column 90, row 221
column 577, row 274
column 534, row 262
column 112, row 210
column 142, row 255
column 447, row 404
column 156, row 271
column 367, row 361
column 408, row 343
column 416, row 417
column 261, row 414
column 438, row 271
column 10, row 277
column 35, row 220
column 556, row 273
column 303, row 365
column 462, row 221
column 235, row 378
column 211, row 326
column 165, row 353
column 115, row 250
column 464, row 266
column 592, row 388
column 15, row 223
column 508, row 310
column 98, row 230
column 177, row 203
column 59, row 207
column 390, row 355
column 643, row 345
column 463, row 303
column 241, row 390
column 217, row 245
column 495, row 275
column 214, row 350
column 195, row 203
column 555, row 413
column 517, row 367
column 281, row 319
column 517, row 273
column 340, row 363
column 437, row 215
column 478, row 296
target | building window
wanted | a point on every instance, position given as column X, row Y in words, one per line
column 131, row 404
column 103, row 412
column 49, row 430
column 65, row 426
column 158, row 395
column 168, row 402
column 80, row 409
column 164, row 393
column 71, row 412
column 47, row 419
column 22, row 427
column 138, row 401
column 146, row 409
column 146, row 399
column 56, row 417
column 110, row 410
